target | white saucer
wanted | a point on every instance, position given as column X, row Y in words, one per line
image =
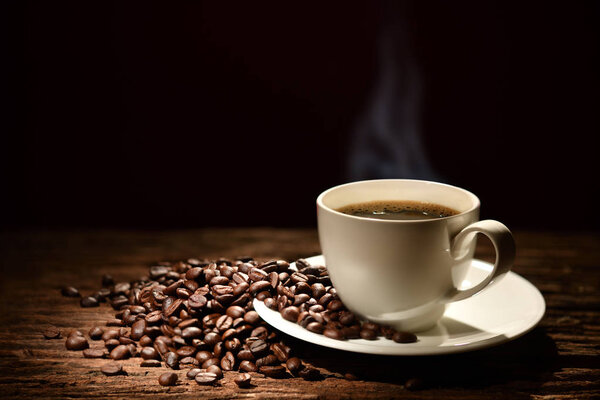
column 500, row 313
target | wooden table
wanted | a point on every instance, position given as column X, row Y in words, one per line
column 557, row 360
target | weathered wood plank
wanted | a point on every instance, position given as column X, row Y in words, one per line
column 559, row 359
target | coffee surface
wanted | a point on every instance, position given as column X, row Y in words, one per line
column 397, row 210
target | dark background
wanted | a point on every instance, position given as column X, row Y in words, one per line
column 194, row 114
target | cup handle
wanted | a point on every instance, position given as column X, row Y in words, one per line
column 504, row 245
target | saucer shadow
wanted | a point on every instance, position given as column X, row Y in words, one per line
column 521, row 365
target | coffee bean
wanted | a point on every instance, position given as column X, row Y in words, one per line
column 149, row 353
column 112, row 369
column 150, row 364
column 167, row 379
column 211, row 361
column 245, row 354
column 235, row 312
column 310, row 374
column 69, row 291
column 191, row 374
column 334, row 333
column 107, row 280
column 111, row 343
column 76, row 342
column 259, row 286
column 346, row 317
column 89, row 301
column 224, row 322
column 404, row 337
column 257, row 274
column 351, row 332
column 243, row 380
column 191, row 332
column 300, row 299
column 172, row 360
column 120, row 352
column 280, row 351
column 269, row 359
column 52, row 332
column 158, row 271
column 273, row 371
column 96, row 333
column 368, row 334
column 228, row 361
column 315, row 327
column 294, row 365
column 205, row 378
column 203, row 355
column 248, row 366
column 215, row 370
column 94, row 353
column 212, row 338
column 372, row 326
column 138, row 328
column 335, row 305
column 188, row 361
column 290, row 313
column 121, row 287
column 258, row 347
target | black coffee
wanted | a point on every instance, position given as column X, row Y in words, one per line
column 397, row 210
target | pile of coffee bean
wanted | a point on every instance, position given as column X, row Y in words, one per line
column 307, row 297
column 199, row 315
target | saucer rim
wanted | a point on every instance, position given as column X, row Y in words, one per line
column 274, row 319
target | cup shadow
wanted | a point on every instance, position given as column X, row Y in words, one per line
column 527, row 362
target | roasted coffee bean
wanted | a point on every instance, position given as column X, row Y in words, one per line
column 158, row 271
column 271, row 303
column 219, row 280
column 186, row 351
column 233, row 345
column 346, row 317
column 404, row 337
column 224, row 322
column 212, row 338
column 310, row 374
column 273, row 371
column 300, row 299
column 172, row 360
column 110, row 334
column 211, row 361
column 248, row 366
column 258, row 347
column 245, row 354
column 76, row 342
column 145, row 341
column 259, row 286
column 274, row 279
column 96, row 333
column 205, row 378
column 107, row 280
column 154, row 317
column 316, row 308
column 112, row 369
column 89, row 301
column 118, row 302
column 241, row 288
column 334, row 333
column 215, row 370
column 102, row 294
column 280, row 351
column 167, row 379
column 138, row 328
column 269, row 359
column 126, row 340
column 150, row 364
column 325, row 299
column 121, row 287
column 173, row 307
column 260, row 332
column 113, row 321
column 372, row 326
column 191, row 332
column 69, row 291
column 189, row 361
column 149, row 353
column 368, row 334
column 262, row 295
column 290, row 313
column 191, row 374
column 243, row 380
column 203, row 355
column 315, row 327
column 94, row 353
column 52, row 332
column 351, row 332
column 111, row 343
column 294, row 365
column 235, row 312
column 120, row 352
column 335, row 305
column 228, row 361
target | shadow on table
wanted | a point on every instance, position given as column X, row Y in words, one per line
column 530, row 361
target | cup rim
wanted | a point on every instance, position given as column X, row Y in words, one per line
column 476, row 202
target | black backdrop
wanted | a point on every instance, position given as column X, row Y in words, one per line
column 192, row 114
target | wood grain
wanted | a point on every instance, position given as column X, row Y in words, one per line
column 557, row 360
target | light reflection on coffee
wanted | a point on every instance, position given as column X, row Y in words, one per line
column 398, row 210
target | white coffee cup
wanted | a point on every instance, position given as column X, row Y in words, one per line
column 402, row 273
